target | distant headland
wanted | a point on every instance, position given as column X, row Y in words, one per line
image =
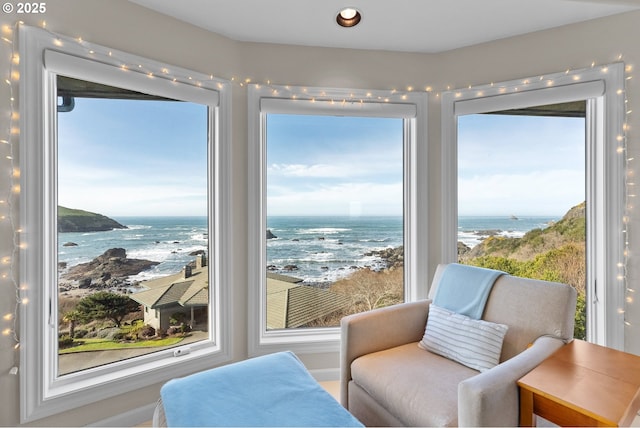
column 73, row 220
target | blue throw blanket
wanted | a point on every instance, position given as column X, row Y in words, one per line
column 465, row 289
column 273, row 390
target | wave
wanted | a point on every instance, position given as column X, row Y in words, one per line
column 132, row 238
column 164, row 252
column 471, row 238
column 199, row 236
column 322, row 230
column 136, row 227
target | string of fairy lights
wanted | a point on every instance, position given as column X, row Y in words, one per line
column 630, row 195
column 9, row 192
column 10, row 141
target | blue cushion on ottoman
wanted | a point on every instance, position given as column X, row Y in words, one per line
column 272, row 390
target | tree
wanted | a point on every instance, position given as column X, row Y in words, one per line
column 369, row 290
column 72, row 317
column 106, row 305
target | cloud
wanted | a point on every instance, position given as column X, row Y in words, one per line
column 302, row 170
column 341, row 199
column 340, row 166
column 114, row 190
column 534, row 193
column 124, row 199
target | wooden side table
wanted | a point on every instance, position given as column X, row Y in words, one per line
column 582, row 384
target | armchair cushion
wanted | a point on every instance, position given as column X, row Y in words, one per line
column 475, row 343
column 402, row 379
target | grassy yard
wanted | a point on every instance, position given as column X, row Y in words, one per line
column 83, row 345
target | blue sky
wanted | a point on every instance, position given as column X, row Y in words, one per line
column 331, row 165
column 119, row 157
column 123, row 158
column 520, row 165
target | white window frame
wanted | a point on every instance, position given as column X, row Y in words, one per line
column 603, row 88
column 340, row 102
column 42, row 56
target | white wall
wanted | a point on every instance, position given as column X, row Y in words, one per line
column 126, row 26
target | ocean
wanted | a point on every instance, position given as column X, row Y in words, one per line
column 167, row 240
column 323, row 249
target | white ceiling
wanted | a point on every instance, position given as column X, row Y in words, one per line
column 400, row 25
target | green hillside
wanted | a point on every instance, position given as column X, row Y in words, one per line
column 569, row 230
column 555, row 253
column 73, row 220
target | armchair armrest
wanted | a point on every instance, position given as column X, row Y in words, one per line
column 491, row 398
column 377, row 330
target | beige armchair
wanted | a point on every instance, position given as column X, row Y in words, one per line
column 387, row 380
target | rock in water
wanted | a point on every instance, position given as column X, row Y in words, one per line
column 113, row 263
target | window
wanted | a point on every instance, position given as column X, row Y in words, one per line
column 600, row 91
column 334, row 202
column 124, row 188
column 117, row 155
column 521, row 194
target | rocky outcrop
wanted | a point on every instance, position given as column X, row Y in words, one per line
column 111, row 269
column 393, row 257
column 463, row 248
column 72, row 220
column 270, row 235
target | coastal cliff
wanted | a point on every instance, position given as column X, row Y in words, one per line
column 570, row 230
column 73, row 220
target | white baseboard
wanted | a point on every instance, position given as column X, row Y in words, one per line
column 128, row 419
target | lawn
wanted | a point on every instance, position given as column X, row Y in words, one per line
column 83, row 345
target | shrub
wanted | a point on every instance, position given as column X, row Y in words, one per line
column 580, row 329
column 108, row 333
column 564, row 264
column 177, row 318
column 147, row 331
column 65, row 341
column 510, row 266
column 119, row 336
column 178, row 329
column 79, row 334
column 369, row 290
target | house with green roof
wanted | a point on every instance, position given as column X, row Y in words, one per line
column 290, row 303
column 186, row 292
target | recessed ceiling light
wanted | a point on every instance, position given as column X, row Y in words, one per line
column 348, row 17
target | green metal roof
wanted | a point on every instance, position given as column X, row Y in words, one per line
column 176, row 289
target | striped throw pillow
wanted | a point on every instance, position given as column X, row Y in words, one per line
column 475, row 343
